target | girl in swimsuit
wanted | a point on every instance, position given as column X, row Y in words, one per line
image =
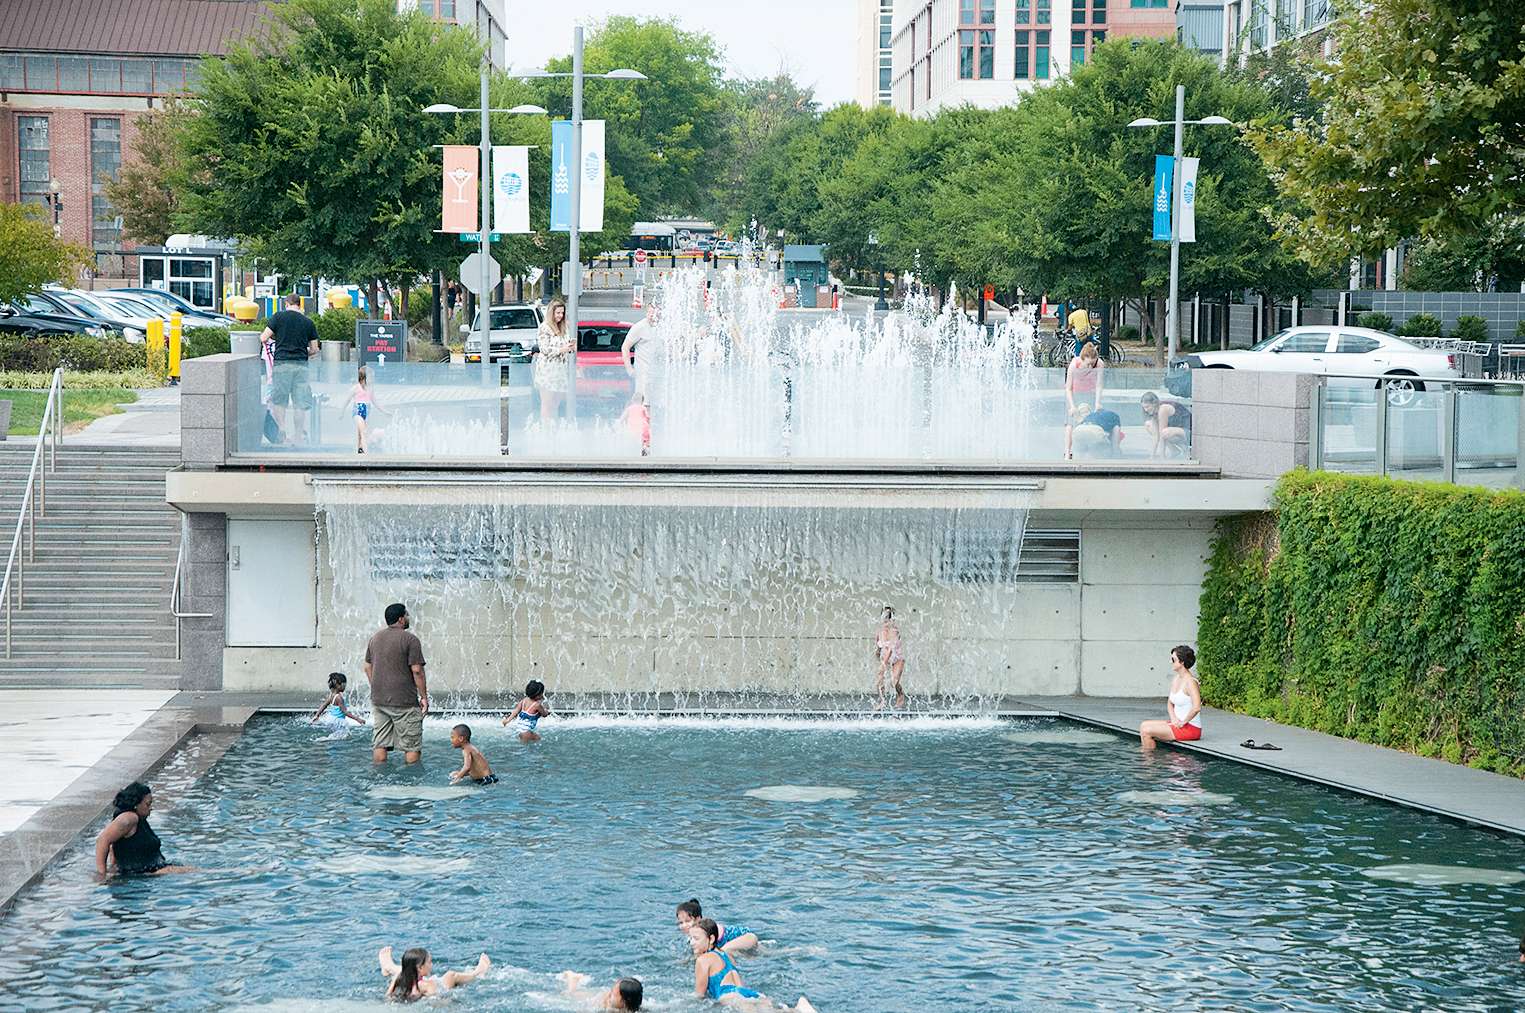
column 716, row 977
column 364, row 403
column 128, row 841
column 527, row 714
column 333, row 712
column 411, row 979
column 891, row 651
column 1184, row 706
column 732, row 938
column 627, row 993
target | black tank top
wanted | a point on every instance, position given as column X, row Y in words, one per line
column 140, row 852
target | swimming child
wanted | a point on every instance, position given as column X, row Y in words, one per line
column 716, row 977
column 333, row 712
column 891, row 651
column 411, row 979
column 528, row 712
column 364, row 402
column 627, row 993
column 732, row 938
column 473, row 764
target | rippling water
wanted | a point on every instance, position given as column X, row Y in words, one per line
column 972, row 871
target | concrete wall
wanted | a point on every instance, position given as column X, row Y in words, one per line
column 1250, row 424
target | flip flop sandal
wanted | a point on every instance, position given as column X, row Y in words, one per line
column 1250, row 744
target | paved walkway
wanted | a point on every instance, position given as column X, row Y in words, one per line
column 1476, row 796
column 151, row 421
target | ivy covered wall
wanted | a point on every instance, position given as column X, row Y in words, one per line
column 1377, row 609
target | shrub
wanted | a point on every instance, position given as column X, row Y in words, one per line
column 419, row 302
column 26, row 353
column 1470, row 329
column 1376, row 322
column 198, row 341
column 1519, row 331
column 1420, row 325
column 338, row 323
column 1127, row 332
column 1378, row 609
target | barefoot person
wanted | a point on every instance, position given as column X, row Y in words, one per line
column 627, row 993
column 394, row 665
column 715, row 977
column 1183, row 707
column 411, row 979
column 128, row 842
column 891, row 651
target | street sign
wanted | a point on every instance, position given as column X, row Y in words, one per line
column 476, row 237
column 381, row 341
column 471, row 273
column 640, row 257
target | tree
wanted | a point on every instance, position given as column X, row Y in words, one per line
column 754, row 112
column 1421, row 132
column 147, row 190
column 1491, row 259
column 31, row 256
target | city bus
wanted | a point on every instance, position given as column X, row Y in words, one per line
column 653, row 237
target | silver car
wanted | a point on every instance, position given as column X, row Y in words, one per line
column 514, row 329
column 1335, row 351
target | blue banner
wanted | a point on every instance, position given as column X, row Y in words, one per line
column 1164, row 169
column 561, row 176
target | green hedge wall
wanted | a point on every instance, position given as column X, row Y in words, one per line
column 1382, row 610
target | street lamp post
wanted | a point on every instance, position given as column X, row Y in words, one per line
column 58, row 206
column 1173, row 320
column 573, row 285
column 873, row 240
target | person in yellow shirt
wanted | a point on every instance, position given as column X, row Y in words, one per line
column 1080, row 323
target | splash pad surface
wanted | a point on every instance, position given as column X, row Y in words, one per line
column 970, row 872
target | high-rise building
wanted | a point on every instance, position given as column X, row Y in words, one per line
column 875, row 25
column 488, row 17
column 1237, row 28
column 987, row 53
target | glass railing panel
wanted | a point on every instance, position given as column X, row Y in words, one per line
column 1417, row 441
column 1348, row 425
column 1488, row 435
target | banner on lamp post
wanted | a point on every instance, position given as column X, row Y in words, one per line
column 1189, row 200
column 561, row 176
column 511, row 200
column 591, row 215
column 460, row 189
column 1164, row 166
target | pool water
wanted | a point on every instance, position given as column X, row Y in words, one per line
column 982, row 865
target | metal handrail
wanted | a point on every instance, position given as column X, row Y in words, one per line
column 174, row 594
column 31, row 506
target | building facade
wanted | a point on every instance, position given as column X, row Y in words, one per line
column 876, row 23
column 987, row 53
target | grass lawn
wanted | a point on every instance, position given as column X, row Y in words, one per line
column 81, row 407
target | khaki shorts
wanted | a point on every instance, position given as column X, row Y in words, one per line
column 290, row 384
column 398, row 728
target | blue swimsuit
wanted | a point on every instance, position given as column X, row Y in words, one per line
column 717, row 989
column 730, row 935
column 526, row 721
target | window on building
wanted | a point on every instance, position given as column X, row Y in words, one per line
column 105, row 161
column 426, row 7
column 73, row 74
column 1043, row 11
column 36, row 160
column 1097, row 38
column 137, row 77
column 1098, row 12
column 884, row 76
column 1077, row 49
column 12, row 72
column 1024, row 15
column 106, row 76
column 1040, row 64
column 987, row 56
column 966, row 55
column 987, row 12
column 966, row 12
column 1023, row 68
column 1078, row 12
column 1258, row 28
column 1148, row 3
column 884, row 33
column 447, row 9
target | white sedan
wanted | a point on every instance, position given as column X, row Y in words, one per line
column 1337, row 351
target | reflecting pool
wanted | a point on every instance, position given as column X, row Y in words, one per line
column 981, row 865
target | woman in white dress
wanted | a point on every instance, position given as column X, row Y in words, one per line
column 551, row 368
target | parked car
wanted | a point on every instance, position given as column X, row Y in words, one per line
column 48, row 303
column 513, row 333
column 130, row 325
column 16, row 319
column 173, row 303
column 1335, row 351
column 135, row 304
column 600, row 366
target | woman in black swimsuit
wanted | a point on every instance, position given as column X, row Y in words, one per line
column 128, row 840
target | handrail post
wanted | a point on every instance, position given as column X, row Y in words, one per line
column 1316, row 425
column 1381, row 448
column 1448, row 427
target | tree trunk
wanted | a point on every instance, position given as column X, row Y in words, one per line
column 371, row 300
column 1159, row 328
column 403, row 293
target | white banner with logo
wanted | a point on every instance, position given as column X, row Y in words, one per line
column 511, row 188
column 591, row 212
column 1189, row 200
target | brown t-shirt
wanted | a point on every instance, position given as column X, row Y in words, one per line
column 392, row 653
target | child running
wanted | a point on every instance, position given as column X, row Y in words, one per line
column 333, row 712
column 473, row 764
column 528, row 712
column 732, row 938
column 411, row 979
column 364, row 402
column 716, row 977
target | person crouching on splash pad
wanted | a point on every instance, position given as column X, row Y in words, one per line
column 1184, row 705
column 411, row 979
column 716, row 977
column 732, row 938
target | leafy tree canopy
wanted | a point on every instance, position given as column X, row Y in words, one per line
column 30, row 255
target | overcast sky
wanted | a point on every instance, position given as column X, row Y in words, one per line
column 816, row 40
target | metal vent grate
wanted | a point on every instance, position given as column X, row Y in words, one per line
column 1049, row 557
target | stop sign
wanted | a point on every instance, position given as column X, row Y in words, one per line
column 640, row 256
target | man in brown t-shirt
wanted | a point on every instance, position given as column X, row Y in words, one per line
column 394, row 664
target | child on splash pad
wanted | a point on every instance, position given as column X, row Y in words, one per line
column 333, row 712
column 528, row 712
column 732, row 938
column 411, row 979
column 637, row 418
column 716, row 977
column 473, row 764
column 891, row 651
column 364, row 402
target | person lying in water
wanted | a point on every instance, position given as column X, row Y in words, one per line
column 716, row 977
column 627, row 993
column 411, row 979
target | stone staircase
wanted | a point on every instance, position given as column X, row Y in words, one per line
column 96, row 610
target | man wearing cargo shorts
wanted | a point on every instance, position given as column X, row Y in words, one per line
column 296, row 341
column 394, row 665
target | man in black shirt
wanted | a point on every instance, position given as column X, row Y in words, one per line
column 296, row 341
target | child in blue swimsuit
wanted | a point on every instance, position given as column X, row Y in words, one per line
column 716, row 977
column 733, row 938
column 333, row 712
column 528, row 712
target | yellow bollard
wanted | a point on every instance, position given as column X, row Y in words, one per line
column 174, row 348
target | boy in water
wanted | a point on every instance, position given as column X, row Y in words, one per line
column 473, row 764
column 528, row 712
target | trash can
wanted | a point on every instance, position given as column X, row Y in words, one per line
column 335, row 351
